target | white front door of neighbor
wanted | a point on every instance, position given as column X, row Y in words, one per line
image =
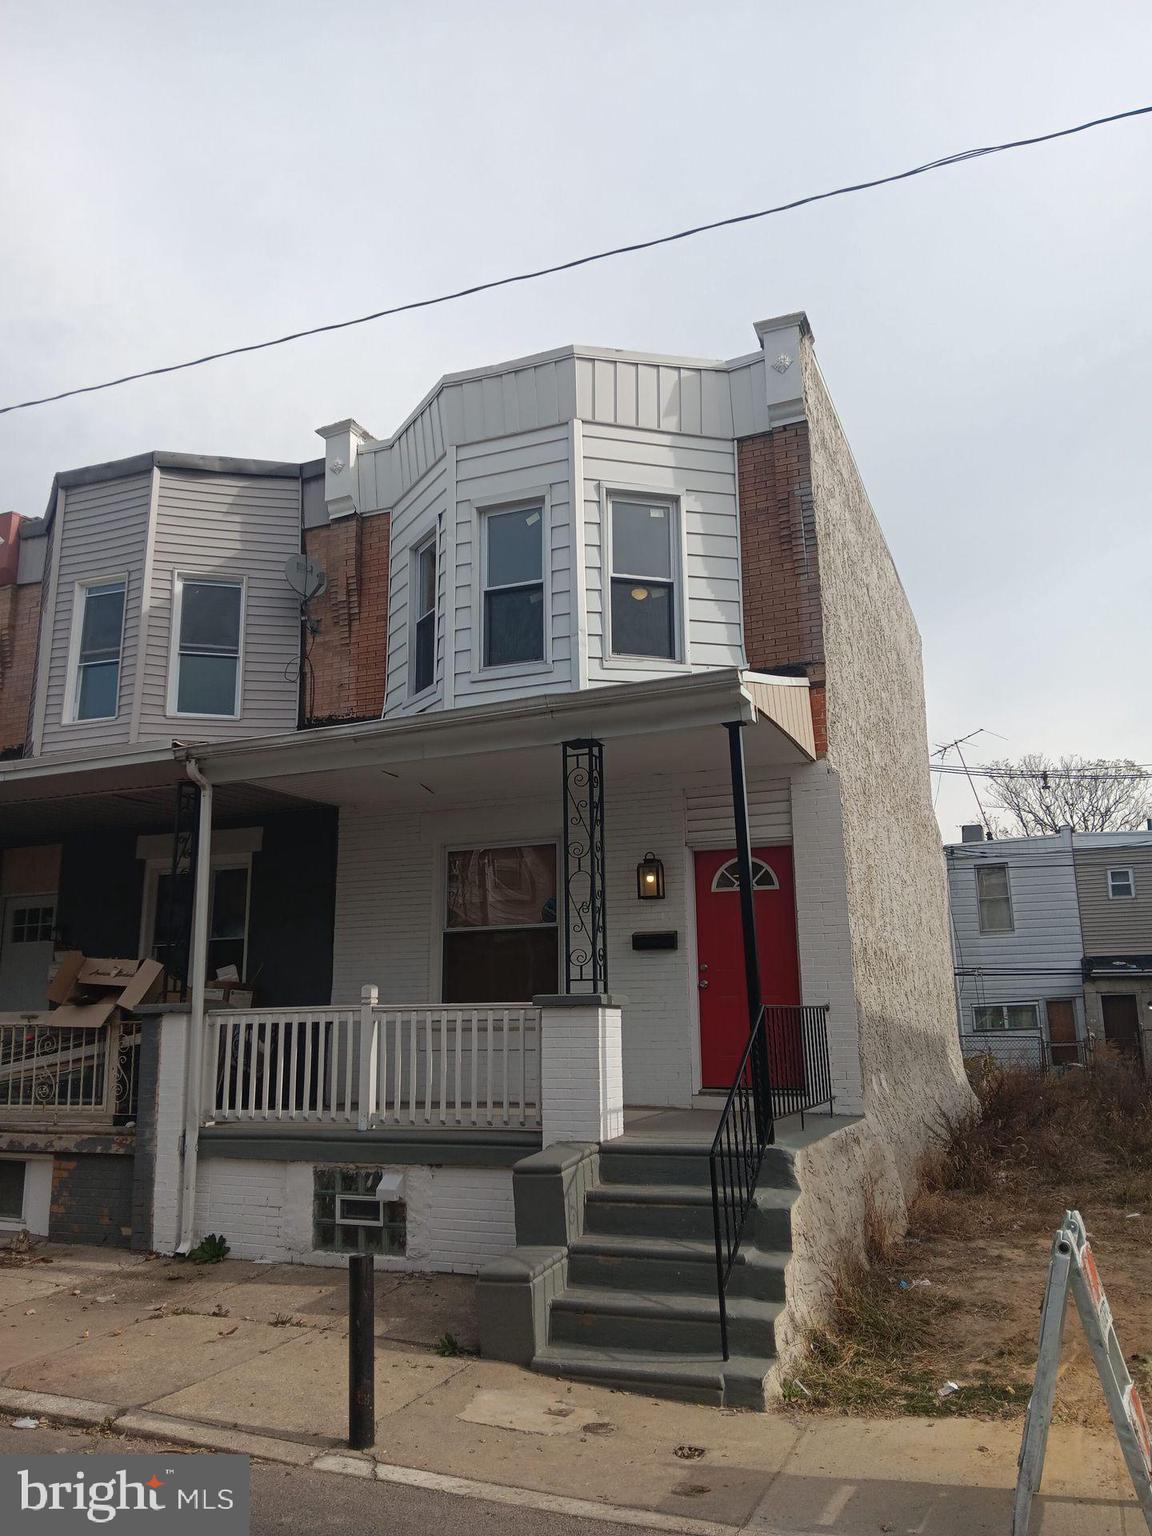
column 26, row 950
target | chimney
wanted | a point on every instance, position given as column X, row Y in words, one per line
column 342, row 440
column 972, row 833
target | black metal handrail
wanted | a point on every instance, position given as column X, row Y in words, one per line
column 784, row 1070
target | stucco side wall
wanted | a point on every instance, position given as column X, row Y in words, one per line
column 894, row 867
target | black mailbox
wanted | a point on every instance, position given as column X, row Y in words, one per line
column 663, row 939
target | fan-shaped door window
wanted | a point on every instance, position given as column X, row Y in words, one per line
column 727, row 877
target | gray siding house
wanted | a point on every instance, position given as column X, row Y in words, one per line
column 1017, row 946
column 1052, row 941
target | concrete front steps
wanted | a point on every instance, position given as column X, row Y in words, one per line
column 639, row 1308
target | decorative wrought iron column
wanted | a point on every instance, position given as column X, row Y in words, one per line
column 581, row 914
column 174, row 928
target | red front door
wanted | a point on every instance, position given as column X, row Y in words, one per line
column 719, row 947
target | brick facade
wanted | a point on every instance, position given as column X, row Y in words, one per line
column 780, row 568
column 346, row 670
column 19, row 630
column 92, row 1198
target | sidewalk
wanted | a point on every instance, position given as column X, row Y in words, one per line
column 255, row 1357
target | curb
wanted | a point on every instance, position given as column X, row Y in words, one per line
column 159, row 1426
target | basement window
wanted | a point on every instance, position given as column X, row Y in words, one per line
column 352, row 1211
column 12, row 1190
column 992, row 1017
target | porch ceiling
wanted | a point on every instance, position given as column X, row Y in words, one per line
column 509, row 751
column 137, row 796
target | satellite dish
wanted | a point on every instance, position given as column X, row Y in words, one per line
column 305, row 578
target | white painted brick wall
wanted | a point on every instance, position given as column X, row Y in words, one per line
column 170, row 1081
column 822, row 925
column 458, row 1218
column 581, row 1081
column 389, row 909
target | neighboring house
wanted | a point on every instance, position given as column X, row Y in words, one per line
column 1052, row 940
column 465, row 827
column 1114, row 889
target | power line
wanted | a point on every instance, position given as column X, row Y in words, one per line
column 582, row 261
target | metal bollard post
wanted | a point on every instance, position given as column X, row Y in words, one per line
column 361, row 1353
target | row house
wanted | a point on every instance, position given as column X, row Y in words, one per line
column 1053, row 943
column 530, row 810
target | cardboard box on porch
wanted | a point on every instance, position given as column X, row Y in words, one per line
column 88, row 990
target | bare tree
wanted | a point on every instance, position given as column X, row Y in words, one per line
column 1090, row 795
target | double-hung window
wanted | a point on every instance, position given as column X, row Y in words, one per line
column 208, row 619
column 994, row 897
column 99, row 639
column 513, row 586
column 1121, row 885
column 500, row 934
column 423, row 580
column 643, row 579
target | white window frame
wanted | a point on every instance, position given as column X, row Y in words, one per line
column 178, row 580
column 482, row 508
column 154, row 868
column 429, row 541
column 1023, row 1002
column 72, row 682
column 1130, row 878
column 993, row 933
column 681, row 662
column 759, row 867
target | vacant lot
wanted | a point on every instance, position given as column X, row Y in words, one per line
column 958, row 1299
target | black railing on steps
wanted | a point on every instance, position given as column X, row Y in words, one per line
column 784, row 1070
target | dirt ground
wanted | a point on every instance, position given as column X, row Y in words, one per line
column 958, row 1299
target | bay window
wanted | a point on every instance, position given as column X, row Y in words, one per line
column 513, row 564
column 643, row 581
column 207, row 620
column 98, row 639
column 423, row 582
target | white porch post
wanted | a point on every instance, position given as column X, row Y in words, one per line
column 581, row 1068
column 368, row 1046
column 198, row 965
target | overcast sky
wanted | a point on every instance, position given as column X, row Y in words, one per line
column 179, row 178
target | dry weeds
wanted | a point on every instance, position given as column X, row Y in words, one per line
column 957, row 1300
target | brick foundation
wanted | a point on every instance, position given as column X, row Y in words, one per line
column 345, row 675
column 92, row 1199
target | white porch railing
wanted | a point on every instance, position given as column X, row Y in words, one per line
column 395, row 1064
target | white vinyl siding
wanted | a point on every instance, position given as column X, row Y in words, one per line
column 218, row 527
column 515, row 471
column 416, row 519
column 700, row 399
column 103, row 529
column 700, row 475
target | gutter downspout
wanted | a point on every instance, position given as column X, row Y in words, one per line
column 194, row 1043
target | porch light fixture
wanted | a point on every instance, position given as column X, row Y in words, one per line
column 650, row 878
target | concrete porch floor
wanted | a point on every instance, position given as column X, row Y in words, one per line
column 697, row 1126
